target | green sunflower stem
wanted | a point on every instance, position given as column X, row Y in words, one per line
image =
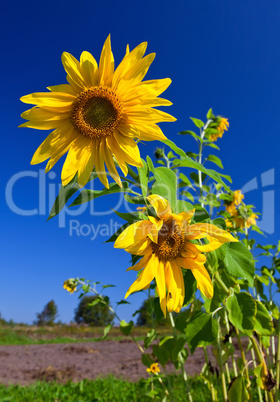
column 278, row 364
column 212, row 389
column 181, row 361
column 202, row 135
column 255, row 365
column 133, row 174
column 222, row 372
column 234, row 366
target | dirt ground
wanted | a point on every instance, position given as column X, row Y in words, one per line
column 24, row 364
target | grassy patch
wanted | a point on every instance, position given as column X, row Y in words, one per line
column 103, row 389
column 33, row 335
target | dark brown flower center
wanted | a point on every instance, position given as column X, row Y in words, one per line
column 96, row 112
column 171, row 241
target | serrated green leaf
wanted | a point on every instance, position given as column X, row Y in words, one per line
column 126, row 327
column 190, row 286
column 238, row 390
column 143, row 173
column 263, row 323
column 239, row 262
column 129, row 217
column 166, row 185
column 139, row 200
column 242, row 310
column 188, row 195
column 201, row 330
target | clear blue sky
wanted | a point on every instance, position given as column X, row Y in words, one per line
column 224, row 55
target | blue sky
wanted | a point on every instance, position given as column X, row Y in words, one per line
column 223, row 55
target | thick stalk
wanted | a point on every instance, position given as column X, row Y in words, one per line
column 255, row 365
column 202, row 135
column 222, row 372
column 181, row 361
column 278, row 365
column 230, row 341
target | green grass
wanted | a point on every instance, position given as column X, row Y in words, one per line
column 103, row 389
column 32, row 335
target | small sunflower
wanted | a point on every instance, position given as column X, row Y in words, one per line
column 166, row 244
column 237, row 198
column 97, row 117
column 154, row 368
column 222, row 127
column 70, row 285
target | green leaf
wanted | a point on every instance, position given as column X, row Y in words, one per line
column 174, row 147
column 166, row 185
column 239, row 262
column 183, row 206
column 162, row 353
column 144, row 177
column 147, row 360
column 150, row 164
column 238, row 390
column 242, row 310
column 263, row 323
column 88, row 195
column 212, row 145
column 65, row 193
column 188, row 195
column 210, row 114
column 190, row 286
column 201, row 215
column 151, row 336
column 192, row 133
column 216, row 160
column 122, row 302
column 199, row 123
column 107, row 329
column 139, row 200
column 129, row 217
column 201, row 330
column 188, row 162
column 126, row 327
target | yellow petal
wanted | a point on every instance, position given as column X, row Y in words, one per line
column 111, row 165
column 68, row 89
column 143, row 262
column 45, row 125
column 202, row 230
column 146, row 276
column 155, row 228
column 204, row 283
column 172, row 294
column 138, row 71
column 99, row 163
column 146, row 115
column 212, row 245
column 72, row 162
column 128, row 61
column 73, row 70
column 150, row 132
column 161, row 288
column 53, row 99
column 39, row 114
column 155, row 87
column 160, row 204
column 190, row 263
column 125, row 148
column 106, row 64
column 86, row 163
column 134, row 233
column 56, row 142
column 89, row 69
column 139, row 248
column 120, row 161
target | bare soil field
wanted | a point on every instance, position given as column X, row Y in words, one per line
column 25, row 364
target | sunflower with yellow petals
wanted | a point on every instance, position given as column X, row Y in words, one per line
column 222, row 127
column 99, row 115
column 168, row 242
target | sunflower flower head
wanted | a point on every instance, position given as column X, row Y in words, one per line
column 222, row 125
column 168, row 243
column 154, row 368
column 70, row 285
column 235, row 200
column 99, row 115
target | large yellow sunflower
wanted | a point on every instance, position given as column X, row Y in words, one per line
column 99, row 114
column 166, row 245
